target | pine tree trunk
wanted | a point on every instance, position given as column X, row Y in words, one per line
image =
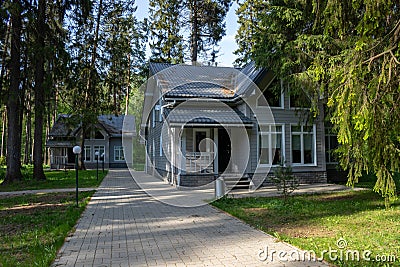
column 2, row 72
column 14, row 127
column 3, row 133
column 82, row 161
column 3, row 58
column 194, row 38
column 38, row 172
column 28, row 134
column 128, row 87
column 91, row 95
column 46, row 149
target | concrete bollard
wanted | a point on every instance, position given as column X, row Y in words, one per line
column 219, row 187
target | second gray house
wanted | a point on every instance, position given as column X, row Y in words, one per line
column 104, row 136
column 202, row 122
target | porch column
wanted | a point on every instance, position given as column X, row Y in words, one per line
column 172, row 156
column 183, row 155
column 216, row 150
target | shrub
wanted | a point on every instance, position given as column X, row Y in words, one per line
column 284, row 180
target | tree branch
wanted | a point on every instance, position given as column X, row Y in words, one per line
column 379, row 55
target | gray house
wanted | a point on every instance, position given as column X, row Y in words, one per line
column 202, row 122
column 104, row 137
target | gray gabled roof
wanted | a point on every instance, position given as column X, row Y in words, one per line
column 201, row 115
column 112, row 124
column 156, row 67
column 187, row 81
column 65, row 126
column 252, row 71
column 68, row 126
column 201, row 89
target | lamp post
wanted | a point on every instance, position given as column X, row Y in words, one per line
column 77, row 150
column 96, row 154
column 102, row 161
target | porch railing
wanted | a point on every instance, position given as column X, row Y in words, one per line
column 201, row 162
column 59, row 161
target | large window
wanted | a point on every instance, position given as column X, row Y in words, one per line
column 303, row 144
column 119, row 153
column 271, row 144
column 87, row 153
column 100, row 149
column 331, row 143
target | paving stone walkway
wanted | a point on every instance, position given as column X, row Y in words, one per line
column 123, row 226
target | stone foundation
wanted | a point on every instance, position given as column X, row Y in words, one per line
column 195, row 180
column 189, row 180
column 302, row 177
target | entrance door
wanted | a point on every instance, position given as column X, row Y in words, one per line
column 224, row 150
column 199, row 136
column 71, row 155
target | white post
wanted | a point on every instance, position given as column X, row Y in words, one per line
column 216, row 150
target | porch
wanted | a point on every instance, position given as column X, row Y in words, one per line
column 61, row 158
column 196, row 144
column 209, row 153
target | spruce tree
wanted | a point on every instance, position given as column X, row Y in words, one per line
column 344, row 54
column 187, row 29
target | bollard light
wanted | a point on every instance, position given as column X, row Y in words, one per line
column 77, row 150
column 102, row 160
column 96, row 154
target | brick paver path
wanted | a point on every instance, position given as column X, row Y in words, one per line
column 123, row 226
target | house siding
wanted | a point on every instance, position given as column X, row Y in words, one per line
column 159, row 163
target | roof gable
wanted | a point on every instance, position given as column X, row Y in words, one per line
column 68, row 126
column 188, row 81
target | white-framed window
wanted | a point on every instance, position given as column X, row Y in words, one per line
column 271, row 144
column 303, row 144
column 119, row 153
column 87, row 155
column 331, row 143
column 100, row 149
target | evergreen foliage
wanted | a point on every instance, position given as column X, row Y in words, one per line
column 204, row 20
column 344, row 54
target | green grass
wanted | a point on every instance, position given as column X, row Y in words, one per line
column 55, row 179
column 316, row 222
column 138, row 166
column 33, row 227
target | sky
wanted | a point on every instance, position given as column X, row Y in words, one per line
column 227, row 44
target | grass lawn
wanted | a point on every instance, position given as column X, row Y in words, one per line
column 317, row 222
column 33, row 227
column 138, row 166
column 55, row 179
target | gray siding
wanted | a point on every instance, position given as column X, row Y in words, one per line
column 160, row 161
